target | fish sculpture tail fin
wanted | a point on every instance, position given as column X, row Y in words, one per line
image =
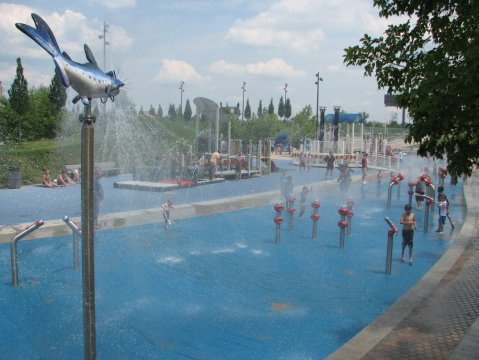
column 42, row 35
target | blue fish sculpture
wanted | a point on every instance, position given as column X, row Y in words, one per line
column 86, row 79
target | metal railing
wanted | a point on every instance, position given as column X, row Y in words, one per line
column 76, row 233
column 13, row 248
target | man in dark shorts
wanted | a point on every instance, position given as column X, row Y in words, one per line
column 408, row 220
column 330, row 159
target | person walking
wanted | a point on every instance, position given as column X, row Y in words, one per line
column 239, row 165
column 420, row 188
column 330, row 159
column 364, row 167
column 288, row 191
column 408, row 220
column 302, row 199
column 167, row 206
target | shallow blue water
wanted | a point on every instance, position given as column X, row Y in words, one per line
column 218, row 287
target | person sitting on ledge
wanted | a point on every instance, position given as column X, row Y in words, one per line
column 65, row 179
column 46, row 181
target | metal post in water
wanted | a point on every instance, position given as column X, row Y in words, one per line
column 76, row 232
column 343, row 224
column 389, row 252
column 315, row 217
column 398, row 196
column 278, row 219
column 87, row 230
column 13, row 249
column 426, row 214
column 394, row 181
column 400, row 177
column 442, row 175
column 291, row 199
column 410, row 192
column 391, row 184
column 350, row 203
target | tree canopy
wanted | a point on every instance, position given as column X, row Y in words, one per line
column 271, row 107
column 431, row 62
column 188, row 112
column 247, row 110
column 260, row 109
column 281, row 108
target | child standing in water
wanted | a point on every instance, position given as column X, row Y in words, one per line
column 302, row 201
column 167, row 206
column 442, row 205
column 408, row 220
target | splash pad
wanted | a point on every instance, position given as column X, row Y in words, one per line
column 208, row 288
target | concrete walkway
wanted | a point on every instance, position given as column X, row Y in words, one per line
column 437, row 318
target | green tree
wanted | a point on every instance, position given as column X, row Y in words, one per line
column 188, row 112
column 262, row 128
column 172, row 112
column 287, row 109
column 303, row 125
column 247, row 110
column 18, row 98
column 432, row 65
column 179, row 113
column 8, row 119
column 58, row 93
column 271, row 107
column 152, row 110
column 40, row 121
column 260, row 109
column 237, row 110
column 160, row 111
column 281, row 108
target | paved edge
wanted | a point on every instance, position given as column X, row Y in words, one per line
column 370, row 336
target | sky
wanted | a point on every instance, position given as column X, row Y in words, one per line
column 213, row 46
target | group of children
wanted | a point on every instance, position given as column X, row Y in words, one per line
column 63, row 179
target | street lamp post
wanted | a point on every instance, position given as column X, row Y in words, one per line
column 285, row 91
column 244, row 89
column 318, row 79
column 105, row 43
column 181, row 96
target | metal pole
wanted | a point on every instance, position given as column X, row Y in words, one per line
column 317, row 105
column 321, row 128
column 13, row 249
column 242, row 111
column 389, row 251
column 87, row 229
column 181, row 96
column 285, row 91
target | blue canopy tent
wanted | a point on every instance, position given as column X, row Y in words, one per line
column 345, row 118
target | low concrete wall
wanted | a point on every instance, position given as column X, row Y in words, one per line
column 154, row 215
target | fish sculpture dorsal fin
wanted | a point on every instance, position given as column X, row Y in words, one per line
column 64, row 53
column 89, row 55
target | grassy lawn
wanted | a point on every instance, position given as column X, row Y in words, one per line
column 30, row 158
